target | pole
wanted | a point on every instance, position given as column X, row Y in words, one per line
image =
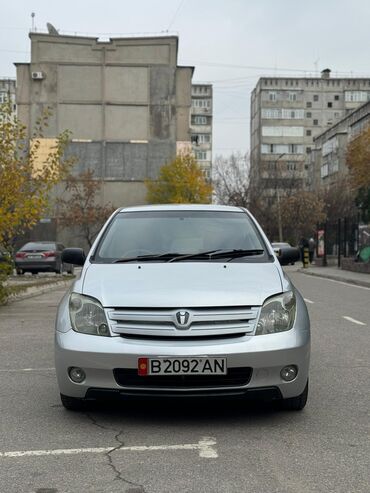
column 339, row 240
column 280, row 226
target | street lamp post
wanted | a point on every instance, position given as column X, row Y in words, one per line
column 280, row 227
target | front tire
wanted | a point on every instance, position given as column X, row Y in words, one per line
column 72, row 403
column 296, row 403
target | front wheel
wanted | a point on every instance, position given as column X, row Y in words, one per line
column 296, row 403
column 72, row 403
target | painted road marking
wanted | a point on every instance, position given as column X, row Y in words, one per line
column 25, row 369
column 308, row 301
column 350, row 319
column 205, row 446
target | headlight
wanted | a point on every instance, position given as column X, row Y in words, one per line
column 277, row 314
column 87, row 315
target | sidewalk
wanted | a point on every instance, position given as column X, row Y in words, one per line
column 336, row 274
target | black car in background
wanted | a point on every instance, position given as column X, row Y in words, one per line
column 41, row 256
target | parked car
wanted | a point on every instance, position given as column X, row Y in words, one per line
column 286, row 253
column 183, row 300
column 41, row 256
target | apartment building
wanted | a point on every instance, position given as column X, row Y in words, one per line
column 287, row 113
column 329, row 153
column 125, row 100
column 201, row 125
column 7, row 92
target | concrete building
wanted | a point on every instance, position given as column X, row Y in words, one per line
column 125, row 100
column 201, row 125
column 329, row 153
column 7, row 92
column 287, row 113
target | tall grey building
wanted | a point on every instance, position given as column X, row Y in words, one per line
column 125, row 100
column 287, row 113
column 201, row 125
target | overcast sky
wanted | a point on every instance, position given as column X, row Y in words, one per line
column 231, row 43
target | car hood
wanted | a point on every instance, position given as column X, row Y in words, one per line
column 183, row 284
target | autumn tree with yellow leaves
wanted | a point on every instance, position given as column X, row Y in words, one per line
column 358, row 162
column 181, row 181
column 26, row 178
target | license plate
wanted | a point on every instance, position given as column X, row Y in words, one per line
column 34, row 256
column 182, row 366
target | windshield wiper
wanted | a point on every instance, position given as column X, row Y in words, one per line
column 220, row 253
column 142, row 258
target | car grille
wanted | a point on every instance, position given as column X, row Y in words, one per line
column 163, row 322
column 236, row 377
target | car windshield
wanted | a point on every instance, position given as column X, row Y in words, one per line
column 164, row 235
column 40, row 247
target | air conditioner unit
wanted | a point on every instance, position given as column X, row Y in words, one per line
column 37, row 75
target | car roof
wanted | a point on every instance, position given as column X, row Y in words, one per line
column 182, row 207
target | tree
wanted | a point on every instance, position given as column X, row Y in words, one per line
column 301, row 212
column 339, row 200
column 26, row 175
column 181, row 181
column 231, row 180
column 81, row 210
column 358, row 162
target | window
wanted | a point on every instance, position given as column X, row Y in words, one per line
column 336, row 114
column 308, row 114
column 336, row 97
column 282, row 131
column 3, row 97
column 272, row 96
column 330, row 104
column 281, row 149
column 316, row 97
column 329, row 146
column 292, row 96
column 358, row 96
column 201, row 155
column 308, row 104
column 291, row 165
column 316, row 122
column 278, row 113
column 308, row 150
column 200, row 120
column 324, row 171
column 201, row 103
column 203, row 138
column 308, row 133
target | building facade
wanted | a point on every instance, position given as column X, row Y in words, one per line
column 126, row 102
column 287, row 113
column 7, row 92
column 201, row 125
column 329, row 153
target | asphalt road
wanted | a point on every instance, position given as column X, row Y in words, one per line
column 164, row 447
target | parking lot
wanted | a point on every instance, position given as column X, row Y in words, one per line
column 189, row 446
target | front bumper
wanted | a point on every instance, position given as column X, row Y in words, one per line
column 266, row 355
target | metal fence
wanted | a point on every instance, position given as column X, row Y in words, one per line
column 338, row 239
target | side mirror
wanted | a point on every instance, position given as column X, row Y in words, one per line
column 75, row 256
column 288, row 255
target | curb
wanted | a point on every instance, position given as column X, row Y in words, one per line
column 332, row 277
column 37, row 290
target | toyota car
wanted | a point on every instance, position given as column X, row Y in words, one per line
column 181, row 300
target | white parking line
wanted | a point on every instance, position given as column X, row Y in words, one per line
column 11, row 370
column 205, row 446
column 350, row 319
column 308, row 301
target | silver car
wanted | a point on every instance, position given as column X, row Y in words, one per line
column 181, row 300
